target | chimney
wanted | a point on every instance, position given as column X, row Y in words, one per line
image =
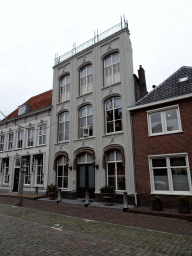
column 142, row 82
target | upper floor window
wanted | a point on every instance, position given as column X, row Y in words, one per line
column 164, row 121
column 22, row 110
column 86, row 120
column 113, row 115
column 112, row 69
column 170, row 173
column 30, row 134
column 10, row 141
column 86, row 80
column 115, row 170
column 65, row 88
column 64, row 126
column 42, row 135
column 19, row 139
column 2, row 138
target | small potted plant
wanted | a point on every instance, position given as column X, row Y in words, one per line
column 184, row 204
column 52, row 191
column 108, row 192
column 157, row 204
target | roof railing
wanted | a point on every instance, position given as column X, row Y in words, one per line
column 97, row 38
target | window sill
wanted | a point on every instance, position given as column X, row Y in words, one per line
column 26, row 185
column 178, row 193
column 153, row 135
column 18, row 149
column 106, row 87
column 8, row 150
column 113, row 133
column 60, row 103
column 62, row 142
column 87, row 138
column 29, row 147
column 5, row 185
column 81, row 96
column 43, row 145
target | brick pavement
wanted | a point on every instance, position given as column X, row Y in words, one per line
column 27, row 231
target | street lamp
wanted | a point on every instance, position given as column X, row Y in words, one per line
column 93, row 162
column 24, row 164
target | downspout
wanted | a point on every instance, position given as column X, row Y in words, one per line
column 133, row 158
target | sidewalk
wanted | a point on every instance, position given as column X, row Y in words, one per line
column 109, row 214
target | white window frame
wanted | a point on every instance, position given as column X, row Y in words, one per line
column 2, row 142
column 115, row 161
column 41, row 135
column 10, row 142
column 5, row 171
column 88, row 86
column 169, row 174
column 65, row 88
column 86, row 118
column 30, row 138
column 64, row 165
column 27, row 173
column 163, row 120
column 19, row 139
column 36, row 170
column 64, row 122
column 113, row 109
column 21, row 110
column 112, row 69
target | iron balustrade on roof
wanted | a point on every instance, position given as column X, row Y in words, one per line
column 97, row 38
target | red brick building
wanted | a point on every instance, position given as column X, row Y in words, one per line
column 162, row 134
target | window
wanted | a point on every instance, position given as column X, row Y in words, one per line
column 2, row 138
column 183, row 79
column 39, row 170
column 19, row 139
column 42, row 135
column 170, row 174
column 86, row 80
column 113, row 115
column 115, row 170
column 6, row 170
column 21, row 110
column 27, row 172
column 112, row 69
column 164, row 121
column 62, row 172
column 65, row 88
column 64, row 126
column 30, row 133
column 10, row 141
column 86, row 120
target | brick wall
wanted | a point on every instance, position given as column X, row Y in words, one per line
column 155, row 145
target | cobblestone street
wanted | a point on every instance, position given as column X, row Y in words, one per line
column 27, row 231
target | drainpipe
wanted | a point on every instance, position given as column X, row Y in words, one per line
column 133, row 158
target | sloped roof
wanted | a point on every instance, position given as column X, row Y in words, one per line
column 36, row 102
column 170, row 87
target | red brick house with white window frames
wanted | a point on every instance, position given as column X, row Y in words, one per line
column 162, row 135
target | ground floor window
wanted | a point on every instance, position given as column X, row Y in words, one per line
column 6, row 170
column 27, row 172
column 115, row 170
column 39, row 169
column 170, row 173
column 62, row 172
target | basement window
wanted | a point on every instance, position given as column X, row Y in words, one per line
column 183, row 79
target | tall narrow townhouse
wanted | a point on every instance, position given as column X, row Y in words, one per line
column 91, row 145
column 24, row 134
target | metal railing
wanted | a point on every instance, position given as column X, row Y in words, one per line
column 97, row 38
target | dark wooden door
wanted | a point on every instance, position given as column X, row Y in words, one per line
column 85, row 180
column 16, row 180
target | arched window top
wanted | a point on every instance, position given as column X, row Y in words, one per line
column 113, row 114
column 86, row 79
column 112, row 69
column 86, row 120
column 86, row 156
column 63, row 126
column 65, row 88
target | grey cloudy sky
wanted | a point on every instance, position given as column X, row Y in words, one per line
column 33, row 31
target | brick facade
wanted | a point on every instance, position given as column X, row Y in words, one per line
column 156, row 145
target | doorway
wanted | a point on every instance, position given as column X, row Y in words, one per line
column 85, row 180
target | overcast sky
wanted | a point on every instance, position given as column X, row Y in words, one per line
column 33, row 31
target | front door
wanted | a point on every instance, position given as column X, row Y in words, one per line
column 86, row 180
column 16, row 180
